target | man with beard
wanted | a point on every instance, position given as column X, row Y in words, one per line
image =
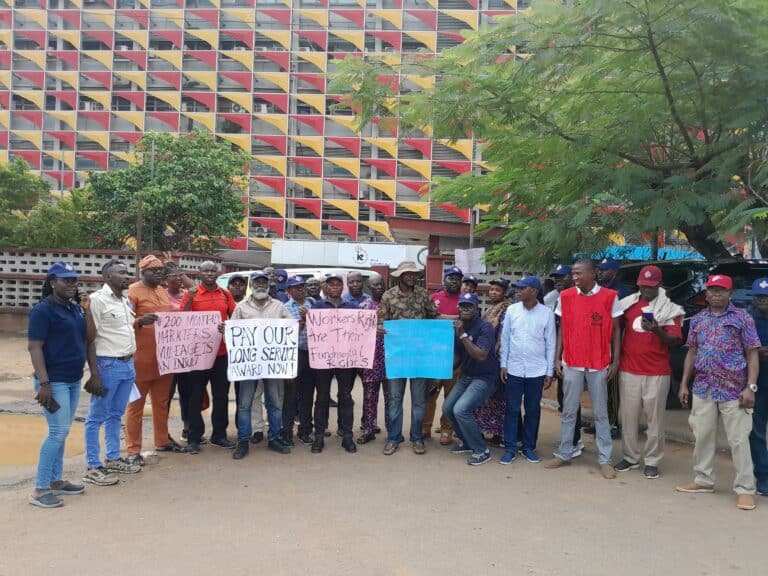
column 260, row 305
column 206, row 297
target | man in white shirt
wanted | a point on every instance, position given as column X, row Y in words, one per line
column 527, row 357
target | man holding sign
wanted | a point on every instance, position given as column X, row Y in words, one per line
column 259, row 306
column 406, row 301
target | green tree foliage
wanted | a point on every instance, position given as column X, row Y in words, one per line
column 191, row 194
column 54, row 224
column 621, row 116
column 20, row 191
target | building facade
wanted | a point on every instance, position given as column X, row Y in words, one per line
column 82, row 80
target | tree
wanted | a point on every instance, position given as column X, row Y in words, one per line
column 54, row 224
column 20, row 191
column 621, row 116
column 190, row 187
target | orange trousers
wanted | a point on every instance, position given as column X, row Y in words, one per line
column 159, row 391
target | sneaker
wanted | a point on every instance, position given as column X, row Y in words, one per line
column 203, row 441
column 46, row 500
column 365, row 438
column 508, row 458
column 192, row 448
column 172, row 446
column 318, row 443
column 460, row 448
column 479, row 458
column 390, row 448
column 257, row 437
column 135, row 459
column 121, row 466
column 276, row 445
column 607, row 471
column 531, row 456
column 100, row 476
column 418, row 447
column 223, row 443
column 67, row 489
column 625, row 466
column 694, row 488
column 578, row 448
column 745, row 502
column 241, row 451
column 651, row 472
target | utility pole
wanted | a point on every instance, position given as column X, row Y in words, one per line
column 139, row 210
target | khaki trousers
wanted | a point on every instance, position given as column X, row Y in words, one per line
column 737, row 422
column 643, row 395
column 159, row 390
column 429, row 414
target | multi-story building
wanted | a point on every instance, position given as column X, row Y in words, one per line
column 82, row 80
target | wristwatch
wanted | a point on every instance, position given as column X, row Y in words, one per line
column 465, row 335
column 752, row 387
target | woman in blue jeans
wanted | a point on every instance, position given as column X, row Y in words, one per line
column 57, row 346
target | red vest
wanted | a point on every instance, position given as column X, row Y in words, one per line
column 587, row 326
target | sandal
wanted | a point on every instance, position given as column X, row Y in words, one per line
column 365, row 438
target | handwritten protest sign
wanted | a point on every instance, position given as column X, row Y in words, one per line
column 186, row 341
column 262, row 348
column 339, row 338
column 419, row 348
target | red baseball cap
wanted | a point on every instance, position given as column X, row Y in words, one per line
column 649, row 276
column 720, row 281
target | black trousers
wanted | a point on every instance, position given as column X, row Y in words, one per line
column 305, row 390
column 193, row 385
column 289, row 406
column 577, row 429
column 346, row 381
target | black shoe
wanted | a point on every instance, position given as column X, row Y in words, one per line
column 241, row 451
column 277, row 446
column 377, row 430
column 327, row 434
column 223, row 443
column 184, row 434
column 305, row 438
column 626, row 466
column 332, row 403
column 287, row 439
column 589, row 430
column 652, row 472
column 318, row 444
column 192, row 448
column 257, row 437
column 365, row 438
column 349, row 444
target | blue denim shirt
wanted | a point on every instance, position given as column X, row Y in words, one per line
column 293, row 308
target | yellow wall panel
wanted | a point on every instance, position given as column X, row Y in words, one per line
column 279, row 121
column 317, row 101
column 173, row 57
column 466, row 16
column 106, row 16
column 420, row 208
column 429, row 39
column 313, row 184
column 243, row 99
column 135, row 118
column 380, row 227
column 387, row 144
column 40, row 17
column 357, row 38
column 242, row 14
column 101, row 138
column 69, row 118
column 141, row 37
column 351, row 207
column 103, row 56
column 394, row 17
column 207, row 119
column 138, row 78
column 70, row 78
column 100, row 96
column 312, row 226
column 245, row 57
column 389, row 187
column 319, row 16
column 34, row 136
column 352, row 165
column 423, row 167
column 35, row 96
column 280, row 79
column 283, row 37
column 279, row 163
column 319, row 59
column 169, row 97
column 208, row 78
column 242, row 141
column 315, row 142
column 36, row 56
column 276, row 204
column 211, row 36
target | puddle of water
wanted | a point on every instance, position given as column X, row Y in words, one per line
column 21, row 436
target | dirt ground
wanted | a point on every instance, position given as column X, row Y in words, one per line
column 365, row 513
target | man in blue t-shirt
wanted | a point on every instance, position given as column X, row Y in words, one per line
column 757, row 439
column 475, row 352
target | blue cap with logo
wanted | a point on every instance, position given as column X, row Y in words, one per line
column 528, row 282
column 453, row 271
column 561, row 270
column 469, row 298
column 334, row 277
column 760, row 287
column 294, row 281
column 471, row 279
column 608, row 264
column 62, row 270
column 259, row 275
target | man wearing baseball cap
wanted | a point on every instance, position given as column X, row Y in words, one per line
column 757, row 439
column 607, row 274
column 476, row 351
column 447, row 302
column 469, row 284
column 651, row 326
column 723, row 352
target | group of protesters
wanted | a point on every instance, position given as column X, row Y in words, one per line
column 579, row 329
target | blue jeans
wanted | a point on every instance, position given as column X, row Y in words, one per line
column 757, row 438
column 273, row 400
column 418, row 407
column 117, row 377
column 51, row 465
column 516, row 390
column 467, row 394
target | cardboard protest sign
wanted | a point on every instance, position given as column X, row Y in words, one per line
column 186, row 341
column 262, row 348
column 419, row 348
column 341, row 338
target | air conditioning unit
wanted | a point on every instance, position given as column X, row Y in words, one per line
column 263, row 108
column 237, row 109
column 261, row 232
column 124, row 47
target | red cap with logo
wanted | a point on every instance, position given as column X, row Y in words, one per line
column 720, row 281
column 649, row 276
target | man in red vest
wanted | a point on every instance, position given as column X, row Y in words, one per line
column 587, row 350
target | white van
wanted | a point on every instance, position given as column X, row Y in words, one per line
column 305, row 273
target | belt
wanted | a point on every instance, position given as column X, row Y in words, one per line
column 121, row 358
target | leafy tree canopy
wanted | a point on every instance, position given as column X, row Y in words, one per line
column 20, row 190
column 191, row 194
column 53, row 224
column 597, row 117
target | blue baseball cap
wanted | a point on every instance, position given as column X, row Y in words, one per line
column 333, row 277
column 608, row 264
column 294, row 281
column 760, row 287
column 528, row 282
column 259, row 276
column 62, row 270
column 561, row 270
column 453, row 271
column 471, row 280
column 469, row 298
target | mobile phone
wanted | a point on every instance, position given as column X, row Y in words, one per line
column 53, row 406
column 648, row 316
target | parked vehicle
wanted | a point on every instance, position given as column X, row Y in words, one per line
column 305, row 273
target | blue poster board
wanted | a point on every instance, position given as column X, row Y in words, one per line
column 419, row 348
